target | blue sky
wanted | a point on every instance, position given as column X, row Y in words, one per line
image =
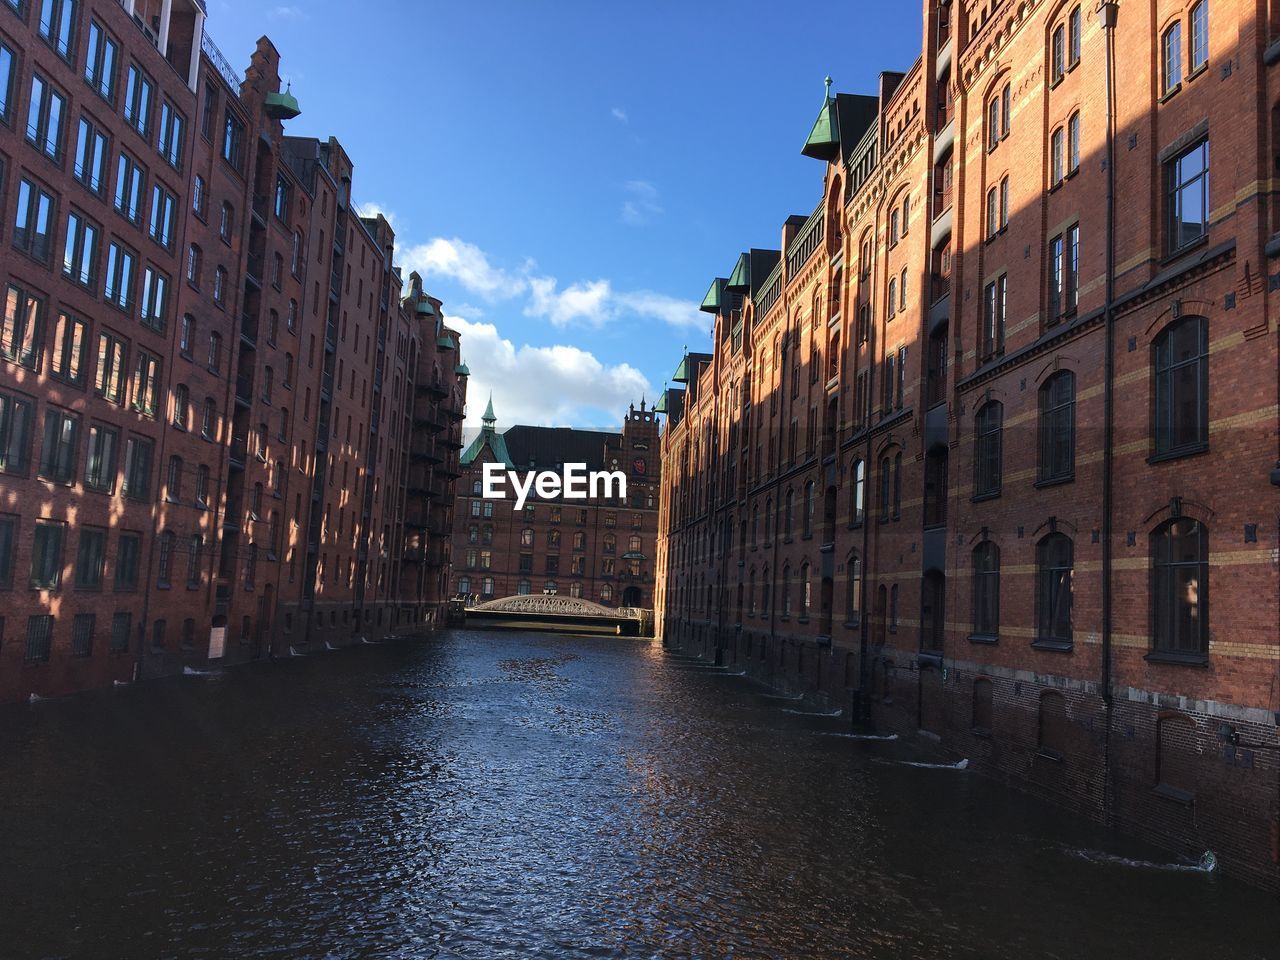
column 569, row 176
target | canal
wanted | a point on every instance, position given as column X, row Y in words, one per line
column 497, row 795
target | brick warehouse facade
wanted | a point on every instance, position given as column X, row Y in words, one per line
column 987, row 457
column 598, row 548
column 214, row 392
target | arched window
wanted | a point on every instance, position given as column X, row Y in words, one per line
column 181, row 405
column 173, row 482
column 524, row 588
column 526, row 537
column 897, row 485
column 988, row 441
column 633, row 543
column 473, row 534
column 606, row 593
column 993, row 123
column 194, row 262
column 806, row 590
column 906, row 213
column 579, row 540
column 751, row 592
column 885, row 488
column 857, row 492
column 1006, row 103
column 853, row 599
column 768, row 520
column 902, row 290
column 986, row 591
column 788, row 515
column 893, row 228
column 935, row 487
column 892, row 305
column 553, row 539
column 1058, row 427
column 807, row 520
column 766, row 588
column 1056, row 155
column 1181, row 383
column 209, row 419
column 1054, row 572
column 993, row 213
column 610, row 543
column 755, row 522
column 1073, row 142
column 1058, row 48
column 1171, row 45
column 1199, row 35
column 1073, row 38
column 786, row 590
column 1180, row 589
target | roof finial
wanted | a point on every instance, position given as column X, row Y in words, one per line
column 827, row 95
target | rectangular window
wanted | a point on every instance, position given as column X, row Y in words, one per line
column 902, row 375
column 128, row 551
column 80, row 253
column 1059, row 54
column 172, row 130
column 100, row 465
column 129, row 183
column 146, row 383
column 121, row 627
column 39, row 637
column 57, row 25
column 1071, row 284
column 1073, row 38
column 1056, row 248
column 100, row 63
column 58, row 452
column 1199, row 35
column 994, row 297
column 33, row 224
column 44, row 118
column 109, row 376
column 82, row 635
column 8, row 540
column 1056, row 156
column 137, row 468
column 91, row 558
column 155, row 287
column 232, row 139
column 15, row 433
column 138, row 94
column 6, row 83
column 118, row 289
column 92, row 154
column 164, row 208
column 22, row 332
column 46, row 555
column 1188, row 197
column 1172, row 47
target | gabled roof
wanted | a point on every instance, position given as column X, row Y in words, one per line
column 823, row 142
column 715, row 296
column 497, row 449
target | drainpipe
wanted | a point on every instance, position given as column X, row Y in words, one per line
column 1108, row 11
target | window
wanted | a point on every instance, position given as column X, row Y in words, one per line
column 1057, row 427
column 1199, row 35
column 118, row 288
column 164, row 558
column 986, row 591
column 935, row 487
column 220, row 286
column 1180, row 589
column 893, row 228
column 46, row 555
column 6, row 83
column 82, row 634
column 8, row 538
column 44, row 118
column 209, row 419
column 1073, row 143
column 232, row 139
column 1006, row 102
column 15, row 433
column 807, row 519
column 146, row 383
column 1053, row 590
column 993, row 213
column 186, row 334
column 1181, row 402
column 39, row 637
column 33, row 223
column 226, row 222
column 885, row 478
column 994, row 297
column 1004, row 202
column 90, row 163
column 993, row 124
column 988, row 439
column 172, row 130
column 100, row 464
column 858, row 492
column 91, row 558
column 22, row 332
column 892, row 304
column 121, row 627
column 181, row 406
column 109, row 375
column 902, row 290
column 1057, row 145
column 138, row 94
column 1073, row 38
column 128, row 552
column 1059, row 51
column 1188, row 178
column 58, row 451
column 806, row 590
column 1172, row 46
column 57, row 25
column 788, row 515
column 66, row 361
column 137, row 468
column 1064, row 276
column 281, row 207
column 215, row 351
column 164, row 207
column 129, row 182
column 198, row 194
column 853, row 597
column 786, row 590
column 100, row 62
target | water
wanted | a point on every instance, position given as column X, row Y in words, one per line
column 497, row 795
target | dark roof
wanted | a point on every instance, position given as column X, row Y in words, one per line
column 549, row 447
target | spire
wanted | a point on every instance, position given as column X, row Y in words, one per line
column 824, row 139
column 489, row 418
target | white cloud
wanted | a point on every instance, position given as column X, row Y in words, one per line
column 659, row 306
column 642, row 204
column 465, row 263
column 371, row 210
column 555, row 386
column 619, row 114
column 580, row 301
column 287, row 13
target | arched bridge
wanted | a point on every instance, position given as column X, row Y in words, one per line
column 558, row 613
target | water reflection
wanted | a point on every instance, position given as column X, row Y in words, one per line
column 506, row 795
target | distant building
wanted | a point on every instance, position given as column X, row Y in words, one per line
column 598, row 549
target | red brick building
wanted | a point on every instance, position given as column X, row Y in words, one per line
column 206, row 364
column 987, row 447
column 600, row 548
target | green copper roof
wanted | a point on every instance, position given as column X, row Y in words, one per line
column 711, row 302
column 661, row 405
column 463, row 370
column 488, row 411
column 740, row 280
column 824, row 138
column 446, row 342
column 683, row 372
column 424, row 309
column 283, row 106
column 489, row 437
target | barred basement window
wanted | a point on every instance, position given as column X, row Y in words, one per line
column 39, row 638
column 121, row 627
column 1180, row 589
column 82, row 635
